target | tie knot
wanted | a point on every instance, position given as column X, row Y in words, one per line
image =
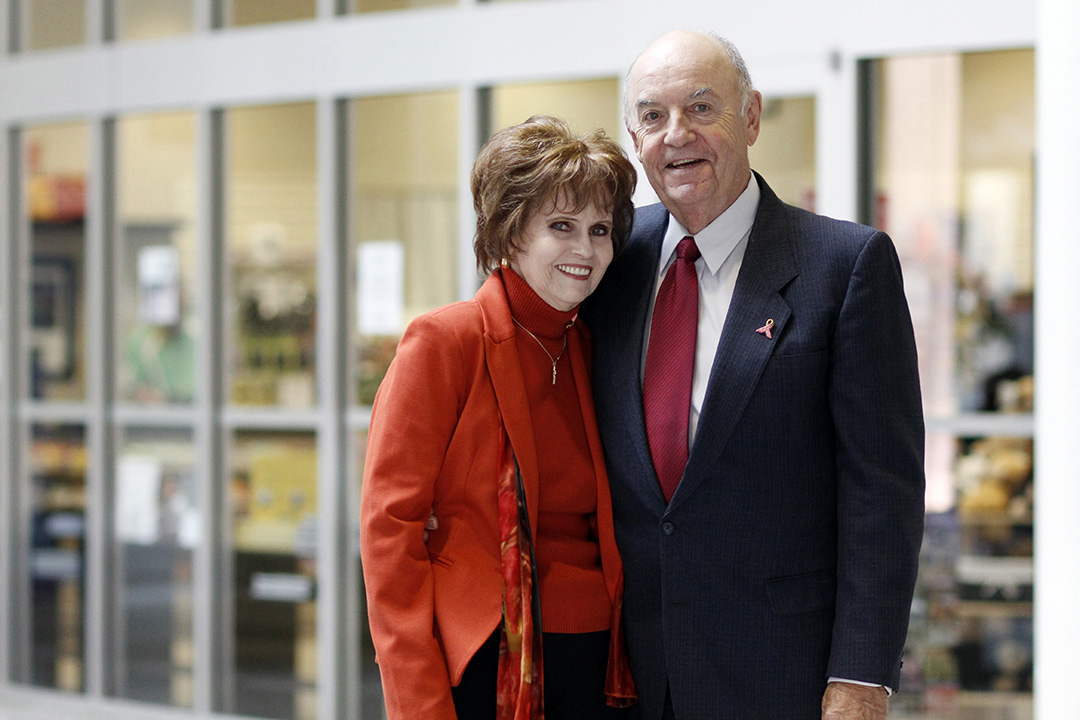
column 687, row 249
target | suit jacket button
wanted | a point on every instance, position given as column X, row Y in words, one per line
column 668, row 528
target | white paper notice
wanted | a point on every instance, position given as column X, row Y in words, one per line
column 380, row 278
column 138, row 493
column 159, row 285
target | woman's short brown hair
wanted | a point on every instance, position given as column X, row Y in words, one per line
column 540, row 161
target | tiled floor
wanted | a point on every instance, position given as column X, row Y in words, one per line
column 20, row 705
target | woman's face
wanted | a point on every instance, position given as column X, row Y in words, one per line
column 564, row 254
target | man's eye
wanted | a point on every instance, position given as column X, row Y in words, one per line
column 650, row 116
column 701, row 107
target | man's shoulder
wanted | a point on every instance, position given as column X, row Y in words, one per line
column 650, row 223
column 814, row 235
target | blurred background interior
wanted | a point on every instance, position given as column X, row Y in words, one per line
column 218, row 216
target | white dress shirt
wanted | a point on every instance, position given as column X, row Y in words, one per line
column 722, row 244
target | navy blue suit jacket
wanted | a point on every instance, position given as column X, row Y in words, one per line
column 789, row 551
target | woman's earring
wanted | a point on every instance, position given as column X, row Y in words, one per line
column 505, row 263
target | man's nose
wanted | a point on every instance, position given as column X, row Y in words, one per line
column 678, row 131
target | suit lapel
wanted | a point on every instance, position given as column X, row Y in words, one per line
column 768, row 265
column 624, row 324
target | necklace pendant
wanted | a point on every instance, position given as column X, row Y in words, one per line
column 553, row 373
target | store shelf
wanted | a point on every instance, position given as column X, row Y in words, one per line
column 976, row 706
column 993, row 609
column 995, row 519
column 982, row 424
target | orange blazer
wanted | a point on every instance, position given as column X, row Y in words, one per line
column 432, row 447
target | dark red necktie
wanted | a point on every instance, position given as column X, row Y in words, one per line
column 669, row 367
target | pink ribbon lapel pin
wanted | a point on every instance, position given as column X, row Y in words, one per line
column 766, row 329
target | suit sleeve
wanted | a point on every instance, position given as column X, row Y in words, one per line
column 413, row 419
column 876, row 406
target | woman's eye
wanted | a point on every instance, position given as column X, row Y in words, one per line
column 600, row 230
column 560, row 226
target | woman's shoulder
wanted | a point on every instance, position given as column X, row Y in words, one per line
column 448, row 318
column 445, row 327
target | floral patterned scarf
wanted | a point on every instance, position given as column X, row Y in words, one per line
column 521, row 674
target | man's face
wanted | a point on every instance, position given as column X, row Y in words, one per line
column 688, row 129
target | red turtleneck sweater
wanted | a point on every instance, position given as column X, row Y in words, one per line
column 573, row 597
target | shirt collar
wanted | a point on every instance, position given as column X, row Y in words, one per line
column 717, row 239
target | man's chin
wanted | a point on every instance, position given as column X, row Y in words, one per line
column 684, row 197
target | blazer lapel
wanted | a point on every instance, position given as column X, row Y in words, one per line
column 609, row 556
column 768, row 266
column 504, row 369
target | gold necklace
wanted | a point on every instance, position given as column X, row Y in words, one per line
column 553, row 360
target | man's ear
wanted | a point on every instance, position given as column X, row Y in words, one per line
column 637, row 144
column 753, row 117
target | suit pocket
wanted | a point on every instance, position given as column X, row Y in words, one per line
column 796, row 594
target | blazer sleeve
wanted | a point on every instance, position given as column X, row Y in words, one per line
column 415, row 412
column 876, row 406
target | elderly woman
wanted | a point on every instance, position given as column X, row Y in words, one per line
column 485, row 421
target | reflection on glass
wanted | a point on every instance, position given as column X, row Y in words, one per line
column 404, row 180
column 784, row 153
column 272, row 244
column 954, row 182
column 259, row 12
column 55, row 167
column 584, row 104
column 953, row 139
column 274, row 503
column 147, row 19
column 156, row 529
column 155, row 293
column 971, row 624
column 371, row 697
column 57, row 556
column 49, row 24
column 365, row 6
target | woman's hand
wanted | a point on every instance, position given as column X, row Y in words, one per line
column 431, row 524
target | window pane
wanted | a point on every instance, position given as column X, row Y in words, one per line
column 56, row 193
column 146, row 19
column 584, row 104
column 404, row 215
column 49, row 24
column 155, row 288
column 954, row 187
column 364, row 6
column 58, row 558
column 954, row 174
column 157, row 526
column 272, row 243
column 260, row 12
column 784, row 153
column 274, row 504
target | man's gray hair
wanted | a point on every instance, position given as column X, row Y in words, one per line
column 742, row 76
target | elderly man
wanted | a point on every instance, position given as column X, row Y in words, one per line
column 757, row 389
